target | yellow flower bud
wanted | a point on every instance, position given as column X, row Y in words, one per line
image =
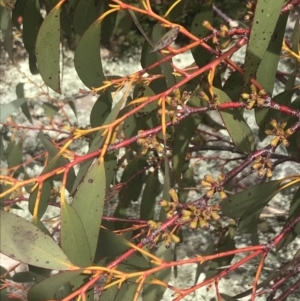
column 215, row 216
column 173, row 195
column 223, row 195
column 261, row 173
column 269, row 173
column 194, row 224
column 175, row 238
column 203, row 224
column 210, row 193
column 245, row 96
column 209, row 178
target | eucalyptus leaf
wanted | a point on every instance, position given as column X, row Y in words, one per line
column 22, row 241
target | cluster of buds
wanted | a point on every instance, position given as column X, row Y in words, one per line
column 250, row 10
column 264, row 166
column 279, row 132
column 213, row 101
column 174, row 99
column 255, row 98
column 149, row 142
column 199, row 218
column 167, row 237
column 173, row 114
column 170, row 206
column 214, row 186
column 222, row 33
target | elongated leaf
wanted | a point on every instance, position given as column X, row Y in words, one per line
column 32, row 21
column 183, row 135
column 151, row 191
column 134, row 263
column 73, row 107
column 96, row 144
column 7, row 109
column 155, row 292
column 46, row 289
column 89, row 67
column 101, row 109
column 264, row 22
column 248, row 204
column 50, row 109
column 148, row 58
column 16, row 157
column 236, row 125
column 6, row 28
column 89, row 201
column 200, row 55
column 47, row 49
column 60, row 161
column 48, row 184
column 20, row 94
column 84, row 16
column 267, row 69
column 74, row 240
column 294, row 212
column 132, row 190
column 110, row 245
column 167, row 39
column 21, row 240
column 187, row 181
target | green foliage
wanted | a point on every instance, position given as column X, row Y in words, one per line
column 143, row 149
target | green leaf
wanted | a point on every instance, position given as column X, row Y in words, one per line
column 110, row 245
column 74, row 240
column 155, row 292
column 8, row 108
column 148, row 58
column 42, row 203
column 201, row 56
column 58, row 161
column 46, row 289
column 265, row 18
column 96, row 144
column 26, row 276
column 294, row 212
column 22, row 241
column 237, row 127
column 85, row 14
column 248, row 204
column 227, row 243
column 25, row 109
column 50, row 109
column 73, row 107
column 47, row 49
column 32, row 21
column 89, row 67
column 47, row 186
column 133, row 176
column 89, row 201
column 266, row 72
column 108, row 22
column 187, row 181
column 15, row 158
column 233, row 86
column 167, row 39
column 101, row 109
column 151, row 191
column 135, row 263
column 183, row 135
column 6, row 29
